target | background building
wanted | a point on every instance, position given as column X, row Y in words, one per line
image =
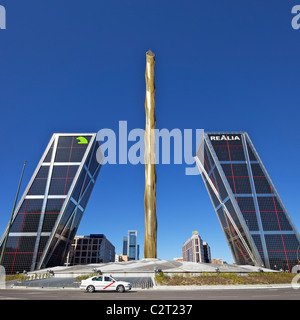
column 125, row 246
column 95, row 248
column 207, row 253
column 120, row 258
column 255, row 222
column 218, row 261
column 130, row 247
column 178, row 259
column 48, row 215
column 192, row 249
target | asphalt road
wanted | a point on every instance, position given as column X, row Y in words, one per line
column 153, row 295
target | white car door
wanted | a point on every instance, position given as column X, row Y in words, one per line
column 98, row 283
column 109, row 283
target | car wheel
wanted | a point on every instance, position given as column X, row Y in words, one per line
column 120, row 288
column 90, row 289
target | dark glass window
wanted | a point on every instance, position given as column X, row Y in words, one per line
column 251, row 153
column 222, row 216
column 67, row 214
column 20, row 245
column 52, row 211
column 63, row 172
column 274, row 243
column 61, row 180
column 251, row 221
column 257, row 241
column 262, row 185
column 54, row 205
column 18, row 255
column 31, row 206
column 212, row 194
column 246, row 204
column 232, row 212
column 49, row 221
column 38, row 187
column 42, row 244
column 218, row 183
column 49, row 154
column 30, row 222
column 272, row 216
column 94, row 162
column 274, row 221
column 28, row 216
column 237, row 176
column 240, row 185
column 76, row 221
column 231, row 150
column 65, row 142
column 59, row 187
column 70, row 150
column 63, row 155
column 39, row 184
column 86, row 182
column 257, row 170
column 86, row 195
column 77, row 154
column 260, row 181
column 269, row 204
column 77, row 190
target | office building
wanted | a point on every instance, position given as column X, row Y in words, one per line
column 218, row 261
column 207, row 253
column 256, row 224
column 125, row 246
column 121, row 258
column 49, row 212
column 192, row 249
column 95, row 248
column 130, row 246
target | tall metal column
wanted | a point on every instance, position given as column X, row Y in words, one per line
column 150, row 244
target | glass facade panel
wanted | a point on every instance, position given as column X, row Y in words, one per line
column 49, row 154
column 62, row 178
column 70, row 150
column 228, row 147
column 38, row 186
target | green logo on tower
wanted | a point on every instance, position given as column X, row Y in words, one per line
column 82, row 140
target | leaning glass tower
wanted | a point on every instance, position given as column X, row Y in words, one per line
column 257, row 226
column 49, row 212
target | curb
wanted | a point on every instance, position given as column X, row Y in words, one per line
column 224, row 287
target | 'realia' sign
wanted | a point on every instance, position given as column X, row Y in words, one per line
column 224, row 137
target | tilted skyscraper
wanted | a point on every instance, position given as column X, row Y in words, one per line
column 256, row 224
column 48, row 214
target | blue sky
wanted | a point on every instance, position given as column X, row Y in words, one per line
column 76, row 66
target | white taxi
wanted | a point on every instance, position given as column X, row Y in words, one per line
column 104, row 283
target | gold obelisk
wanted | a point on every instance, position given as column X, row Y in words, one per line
column 150, row 250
